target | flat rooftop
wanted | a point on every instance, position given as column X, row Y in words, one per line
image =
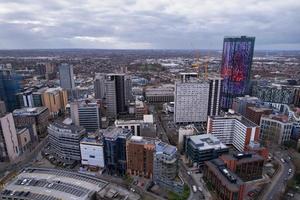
column 29, row 111
column 58, row 184
column 206, row 141
column 229, row 179
column 112, row 133
column 238, row 117
column 71, row 127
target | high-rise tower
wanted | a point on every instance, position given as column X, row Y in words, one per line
column 236, row 67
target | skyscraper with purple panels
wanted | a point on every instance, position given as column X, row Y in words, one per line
column 236, row 68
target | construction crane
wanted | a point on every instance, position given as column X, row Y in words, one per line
column 197, row 64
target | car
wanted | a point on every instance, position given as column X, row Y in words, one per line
column 200, row 189
column 282, row 160
column 189, row 172
column 251, row 193
column 290, row 171
column 132, row 190
column 194, row 188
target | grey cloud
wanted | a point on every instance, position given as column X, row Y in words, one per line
column 138, row 24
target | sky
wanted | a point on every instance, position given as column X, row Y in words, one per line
column 147, row 24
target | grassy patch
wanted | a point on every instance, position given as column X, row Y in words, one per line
column 175, row 196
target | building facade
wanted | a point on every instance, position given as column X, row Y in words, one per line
column 86, row 114
column 200, row 148
column 66, row 77
column 233, row 129
column 10, row 85
column 139, row 152
column 247, row 166
column 165, row 167
column 159, row 94
column 65, row 140
column 214, row 98
column 55, row 99
column 225, row 183
column 92, row 151
column 275, row 129
column 114, row 140
column 38, row 116
column 191, row 101
column 9, row 144
column 236, row 68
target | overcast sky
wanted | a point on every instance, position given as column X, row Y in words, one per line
column 157, row 24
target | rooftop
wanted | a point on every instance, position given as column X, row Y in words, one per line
column 165, row 148
column 56, row 184
column 235, row 116
column 278, row 117
column 29, row 111
column 61, row 125
column 227, row 177
column 112, row 133
column 206, row 141
column 243, row 157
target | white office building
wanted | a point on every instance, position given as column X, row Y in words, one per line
column 233, row 129
column 191, row 101
column 92, row 154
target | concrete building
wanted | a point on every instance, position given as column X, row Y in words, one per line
column 86, row 114
column 92, row 151
column 145, row 127
column 31, row 97
column 55, row 99
column 52, row 184
column 99, row 86
column 164, row 93
column 139, row 152
column 66, row 77
column 65, row 140
column 165, row 167
column 191, row 101
column 114, row 140
column 24, row 139
column 254, row 113
column 247, row 166
column 2, row 108
column 183, row 132
column 225, row 183
column 9, row 143
column 117, row 94
column 38, row 116
column 240, row 104
column 200, row 148
column 233, row 129
column 257, row 148
column 214, row 98
column 275, row 129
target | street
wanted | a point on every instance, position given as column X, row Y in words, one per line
column 278, row 183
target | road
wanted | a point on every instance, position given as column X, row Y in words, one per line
column 278, row 183
column 190, row 181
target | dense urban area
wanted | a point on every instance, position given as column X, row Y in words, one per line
column 87, row 124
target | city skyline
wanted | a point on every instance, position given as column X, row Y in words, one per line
column 31, row 24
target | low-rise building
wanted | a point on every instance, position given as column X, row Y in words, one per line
column 200, row 148
column 183, row 132
column 247, row 166
column 28, row 116
column 145, row 127
column 92, row 151
column 225, row 183
column 159, row 94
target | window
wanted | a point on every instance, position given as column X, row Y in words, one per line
column 92, row 156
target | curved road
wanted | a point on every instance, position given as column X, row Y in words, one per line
column 278, row 183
